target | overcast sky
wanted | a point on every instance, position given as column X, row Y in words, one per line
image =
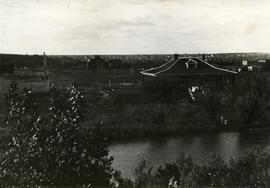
column 134, row 26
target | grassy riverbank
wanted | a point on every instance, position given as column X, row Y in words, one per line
column 168, row 111
column 141, row 112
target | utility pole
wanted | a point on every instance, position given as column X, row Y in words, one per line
column 87, row 63
column 45, row 65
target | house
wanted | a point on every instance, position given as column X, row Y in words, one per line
column 191, row 71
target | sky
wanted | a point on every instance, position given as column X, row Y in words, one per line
column 82, row 27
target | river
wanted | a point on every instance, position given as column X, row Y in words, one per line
column 128, row 155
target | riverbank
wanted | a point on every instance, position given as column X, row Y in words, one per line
column 182, row 117
column 250, row 170
column 142, row 113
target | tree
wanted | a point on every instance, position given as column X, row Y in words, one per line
column 82, row 157
column 21, row 162
column 53, row 149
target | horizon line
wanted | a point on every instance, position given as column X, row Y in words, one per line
column 127, row 54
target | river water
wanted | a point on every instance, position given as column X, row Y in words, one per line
column 128, row 155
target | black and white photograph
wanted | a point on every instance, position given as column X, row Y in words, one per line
column 134, row 93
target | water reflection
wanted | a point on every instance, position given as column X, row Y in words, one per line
column 228, row 146
column 127, row 156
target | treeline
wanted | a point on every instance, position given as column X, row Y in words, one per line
column 109, row 64
column 99, row 63
column 21, row 60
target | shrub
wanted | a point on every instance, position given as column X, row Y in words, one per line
column 250, row 170
column 53, row 149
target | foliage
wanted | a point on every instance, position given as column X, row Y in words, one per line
column 163, row 107
column 143, row 175
column 250, row 170
column 6, row 68
column 53, row 149
column 164, row 90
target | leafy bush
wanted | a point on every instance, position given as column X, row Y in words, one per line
column 53, row 149
column 250, row 170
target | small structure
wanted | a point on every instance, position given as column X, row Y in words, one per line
column 191, row 71
column 244, row 62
